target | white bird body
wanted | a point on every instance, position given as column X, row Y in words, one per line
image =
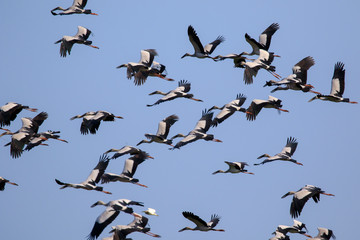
column 284, row 155
column 235, row 167
column 201, row 225
column 337, row 86
column 301, row 196
column 81, row 37
column 258, row 104
column 200, row 50
column 76, row 8
column 229, row 109
column 180, row 92
column 9, row 112
column 324, row 234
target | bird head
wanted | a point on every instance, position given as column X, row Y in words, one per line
column 186, row 55
column 316, row 97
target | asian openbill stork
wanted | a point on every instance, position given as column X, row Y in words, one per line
column 262, row 62
column 200, row 50
column 81, row 37
column 337, row 86
column 112, row 210
column 129, row 170
column 77, row 7
column 264, row 40
column 297, row 80
column 285, row 154
column 4, row 181
column 199, row 132
column 134, row 69
column 257, row 104
column 10, row 110
column 92, row 179
column 235, row 167
column 156, row 70
column 39, row 138
column 137, row 225
column 295, row 228
column 301, row 196
column 91, row 120
column 29, row 128
column 181, row 91
column 163, row 131
column 201, row 225
column 229, row 109
column 280, row 236
column 324, row 234
column 125, row 150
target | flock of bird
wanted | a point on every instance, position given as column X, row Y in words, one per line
column 28, row 136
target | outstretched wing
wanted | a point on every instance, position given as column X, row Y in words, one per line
column 98, row 171
column 290, row 147
column 194, row 39
column 338, row 80
column 265, row 37
column 195, row 219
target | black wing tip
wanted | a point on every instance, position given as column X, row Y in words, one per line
column 339, row 66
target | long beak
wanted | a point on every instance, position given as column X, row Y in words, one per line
column 196, row 99
column 136, row 215
column 106, row 192
column 307, row 235
column 328, row 194
column 309, row 85
column 31, row 109
column 353, row 102
column 119, row 117
column 150, row 157
column 249, row 173
column 314, row 92
column 142, row 185
column 184, row 56
column 312, row 99
column 62, row 140
column 299, row 163
column 94, row 46
column 283, row 110
column 217, row 140
column 94, row 14
column 152, row 234
column 13, row 183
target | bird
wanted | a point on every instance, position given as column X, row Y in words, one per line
column 125, row 150
column 337, row 86
column 264, row 40
column 229, row 109
column 295, row 228
column 92, row 179
column 200, row 50
column 144, row 65
column 181, row 91
column 324, row 234
column 252, row 67
column 112, row 210
column 156, row 70
column 199, row 132
column 4, row 181
column 163, row 131
column 29, row 128
column 77, row 7
column 151, row 211
column 235, row 167
column 297, row 80
column 285, row 154
column 301, row 196
column 257, row 104
column 129, row 170
column 280, row 236
column 201, row 225
column 91, row 120
column 80, row 37
column 238, row 59
column 39, row 138
column 9, row 112
column 137, row 225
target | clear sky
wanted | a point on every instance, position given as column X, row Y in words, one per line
column 33, row 73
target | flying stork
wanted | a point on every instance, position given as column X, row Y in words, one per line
column 201, row 225
column 125, row 150
column 129, row 170
column 235, row 167
column 163, row 131
column 285, row 154
column 112, row 210
column 200, row 50
column 39, row 138
column 257, row 104
column 337, row 86
column 297, row 80
column 80, row 37
column 301, row 196
column 91, row 120
column 199, row 132
column 229, row 109
column 181, row 91
column 92, row 179
column 324, row 234
column 295, row 228
column 77, row 7
column 9, row 112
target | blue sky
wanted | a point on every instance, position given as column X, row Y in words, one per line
column 33, row 73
